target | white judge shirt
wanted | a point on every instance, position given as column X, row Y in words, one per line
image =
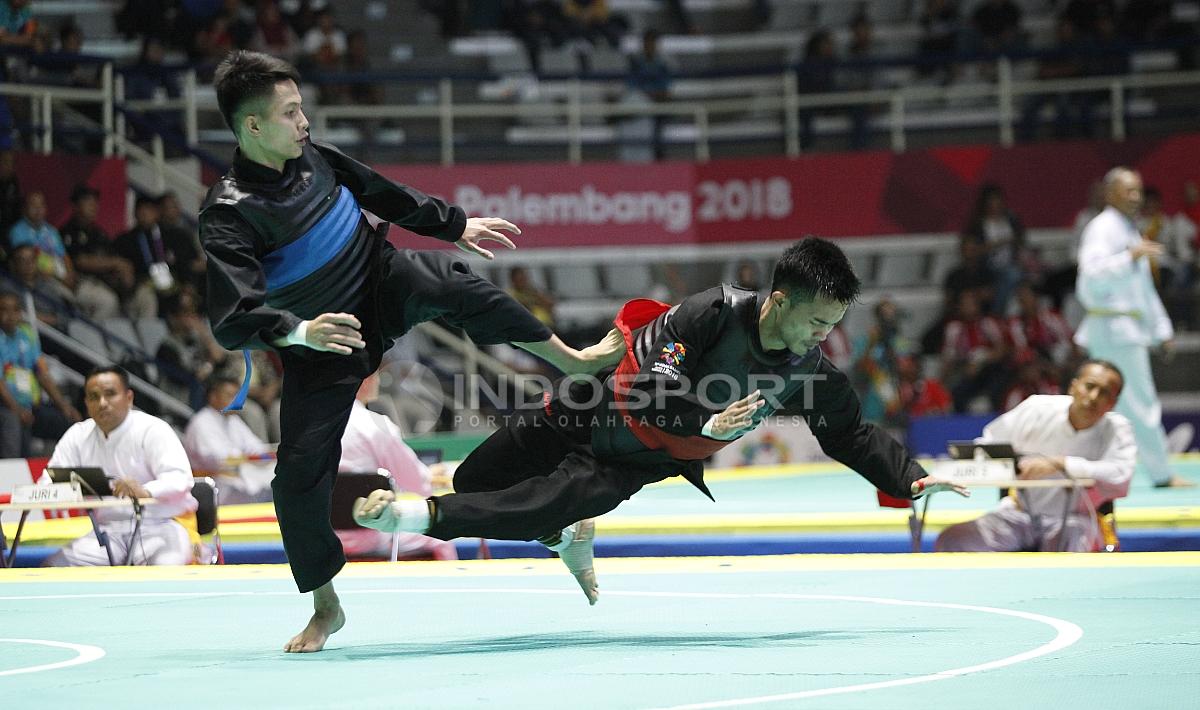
column 212, row 437
column 143, row 448
column 1039, row 426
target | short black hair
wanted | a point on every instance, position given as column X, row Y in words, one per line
column 1106, row 364
column 244, row 76
column 82, row 190
column 109, row 370
column 816, row 267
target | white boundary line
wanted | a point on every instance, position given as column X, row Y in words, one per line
column 87, row 654
column 1067, row 633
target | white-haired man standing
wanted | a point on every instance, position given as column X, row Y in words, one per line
column 1125, row 316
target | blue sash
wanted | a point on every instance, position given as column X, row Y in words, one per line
column 293, row 262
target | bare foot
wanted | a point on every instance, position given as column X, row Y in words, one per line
column 327, row 619
column 1176, row 482
column 320, row 627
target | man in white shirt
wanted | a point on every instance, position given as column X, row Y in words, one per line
column 371, row 442
column 219, row 443
column 1076, row 435
column 1125, row 316
column 143, row 458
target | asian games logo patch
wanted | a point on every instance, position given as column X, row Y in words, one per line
column 669, row 361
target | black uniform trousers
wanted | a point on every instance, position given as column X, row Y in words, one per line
column 529, row 480
column 407, row 287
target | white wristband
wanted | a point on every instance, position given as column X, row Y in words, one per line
column 299, row 334
column 708, row 427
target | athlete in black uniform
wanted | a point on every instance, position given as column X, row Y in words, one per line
column 695, row 378
column 294, row 265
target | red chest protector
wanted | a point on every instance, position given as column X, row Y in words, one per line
column 634, row 315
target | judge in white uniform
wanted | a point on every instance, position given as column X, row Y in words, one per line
column 1076, row 435
column 1124, row 315
column 371, row 442
column 221, row 444
column 144, row 459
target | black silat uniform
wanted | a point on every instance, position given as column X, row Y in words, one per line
column 551, row 467
column 288, row 246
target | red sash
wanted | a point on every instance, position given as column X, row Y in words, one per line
column 634, row 315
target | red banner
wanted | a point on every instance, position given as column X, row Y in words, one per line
column 835, row 195
column 56, row 176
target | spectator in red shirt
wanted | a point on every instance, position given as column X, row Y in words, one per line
column 974, row 351
column 918, row 396
column 1039, row 333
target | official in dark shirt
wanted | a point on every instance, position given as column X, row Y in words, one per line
column 105, row 279
column 695, row 378
column 294, row 265
column 161, row 258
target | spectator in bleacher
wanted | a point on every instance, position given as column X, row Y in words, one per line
column 273, row 34
column 917, row 395
column 1002, row 233
column 997, row 25
column 218, row 442
column 162, row 260
column 150, row 78
column 1043, row 351
column 323, row 49
column 1156, row 226
column 1185, row 308
column 18, row 28
column 876, row 356
column 941, row 28
column 12, row 202
column 1033, row 377
column 538, row 302
column 177, row 230
column 534, row 22
column 372, row 442
column 102, row 277
column 144, row 459
column 49, row 302
column 650, row 79
column 1075, row 435
column 972, row 274
column 816, row 77
column 189, row 350
column 974, row 351
column 858, row 76
column 324, row 45
column 1072, row 110
column 67, row 72
column 52, row 259
column 1173, row 270
column 595, row 22
column 25, row 413
column 1039, row 332
column 1125, row 317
